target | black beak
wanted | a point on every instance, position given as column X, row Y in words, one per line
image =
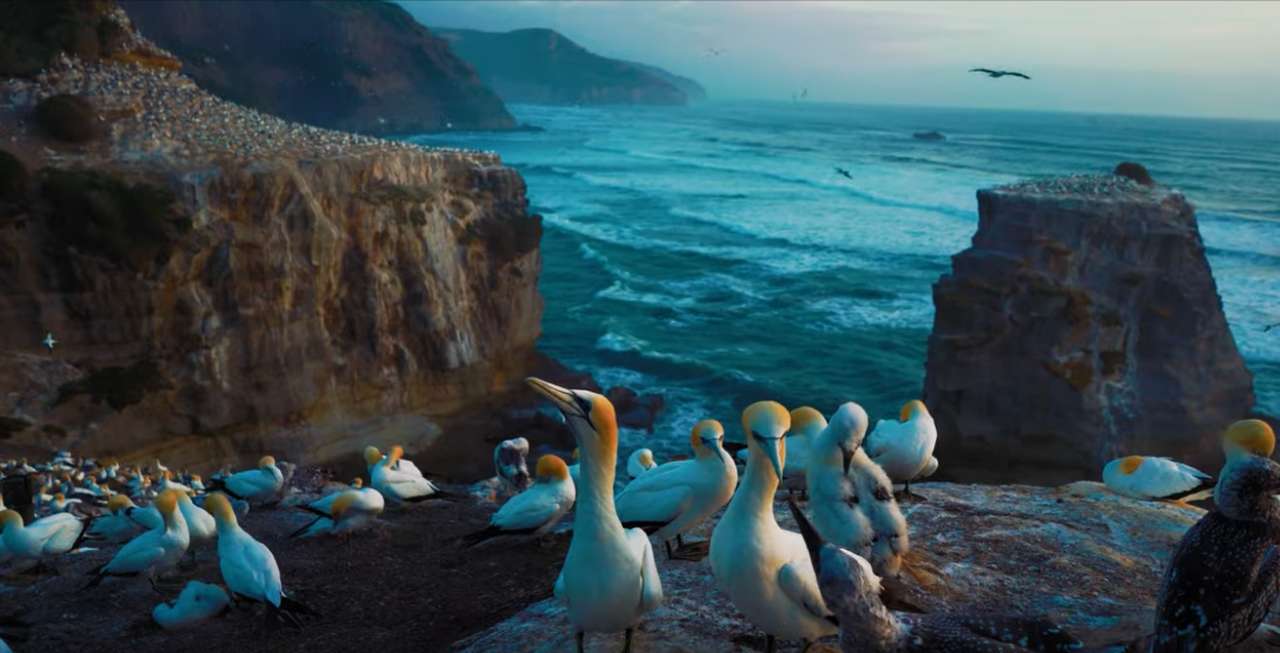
column 812, row 540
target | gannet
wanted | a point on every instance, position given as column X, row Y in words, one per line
column 200, row 524
column 1152, row 478
column 806, row 424
column 509, row 462
column 43, row 538
column 1250, row 437
column 399, row 480
column 197, row 602
column 904, row 449
column 640, row 461
column 609, row 579
column 116, row 526
column 674, row 498
column 343, row 512
column 260, row 484
column 152, row 552
column 833, row 497
column 852, row 590
column 537, row 509
column 1225, row 574
column 248, row 568
column 765, row 570
column 575, row 468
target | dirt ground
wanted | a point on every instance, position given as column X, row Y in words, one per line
column 404, row 586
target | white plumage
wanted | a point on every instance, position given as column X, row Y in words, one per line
column 197, row 602
column 259, row 484
column 43, row 538
column 398, row 480
column 1147, row 477
column 247, row 566
column 154, row 551
column 640, row 461
column 537, row 509
column 904, row 449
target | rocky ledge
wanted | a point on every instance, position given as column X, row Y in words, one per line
column 221, row 282
column 1085, row 557
column 1083, row 324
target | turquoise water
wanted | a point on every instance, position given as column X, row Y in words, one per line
column 712, row 254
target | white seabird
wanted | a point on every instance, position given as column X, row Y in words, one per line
column 765, row 570
column 609, row 579
column 904, row 448
column 1152, row 478
column 152, row 552
column 197, row 602
column 260, row 484
column 640, row 461
column 43, row 538
column 537, row 509
column 674, row 498
column 400, row 480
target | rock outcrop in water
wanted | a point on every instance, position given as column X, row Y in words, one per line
column 1088, row 559
column 1083, row 324
column 541, row 66
column 221, row 282
column 367, row 67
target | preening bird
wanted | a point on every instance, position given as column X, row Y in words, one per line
column 1225, row 574
column 996, row 74
column 765, row 570
column 116, row 526
column 904, row 449
column 610, row 578
column 399, row 480
column 672, row 499
column 852, row 591
column 42, row 539
column 1151, row 478
column 536, row 510
column 248, row 568
column 152, row 552
column 343, row 512
column 510, row 463
column 197, row 602
column 260, row 484
column 639, row 462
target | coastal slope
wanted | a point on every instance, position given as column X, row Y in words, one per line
column 1082, row 325
column 366, row 67
column 542, row 66
column 220, row 282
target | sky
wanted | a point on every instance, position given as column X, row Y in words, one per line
column 1164, row 58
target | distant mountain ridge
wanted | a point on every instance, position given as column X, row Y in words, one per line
column 542, row 66
column 367, row 67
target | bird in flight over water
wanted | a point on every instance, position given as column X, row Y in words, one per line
column 998, row 73
column 844, row 172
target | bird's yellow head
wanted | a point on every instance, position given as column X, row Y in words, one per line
column 372, row 456
column 119, row 502
column 357, row 482
column 706, row 436
column 220, row 507
column 167, row 503
column 765, row 424
column 342, row 504
column 590, row 417
column 397, row 452
column 266, row 461
column 646, row 458
column 9, row 518
column 807, row 421
column 1130, row 464
column 59, row 497
column 1249, row 436
column 551, row 468
column 911, row 409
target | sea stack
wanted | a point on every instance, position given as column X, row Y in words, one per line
column 1083, row 324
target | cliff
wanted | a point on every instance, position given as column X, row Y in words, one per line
column 1016, row 550
column 221, row 282
column 366, row 67
column 541, row 66
column 1083, row 324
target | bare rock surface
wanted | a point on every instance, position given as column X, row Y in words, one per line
column 1087, row 558
column 1083, row 324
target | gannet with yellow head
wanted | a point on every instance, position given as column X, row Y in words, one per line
column 154, row 551
column 1251, row 437
column 640, row 461
column 116, row 526
column 1156, row 479
column 904, row 448
column 674, row 498
column 249, row 570
column 42, row 539
column 399, row 480
column 260, row 484
column 765, row 570
column 537, row 509
column 609, row 579
column 806, row 424
column 345, row 511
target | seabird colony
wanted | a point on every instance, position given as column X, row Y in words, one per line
column 825, row 581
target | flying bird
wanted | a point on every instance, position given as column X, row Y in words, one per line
column 996, row 74
column 844, row 172
column 48, row 341
column 715, row 52
column 1270, row 327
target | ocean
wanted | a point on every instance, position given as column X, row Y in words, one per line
column 712, row 254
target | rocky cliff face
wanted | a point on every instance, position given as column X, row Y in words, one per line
column 221, row 282
column 541, row 66
column 1083, row 324
column 1086, row 558
column 366, row 67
